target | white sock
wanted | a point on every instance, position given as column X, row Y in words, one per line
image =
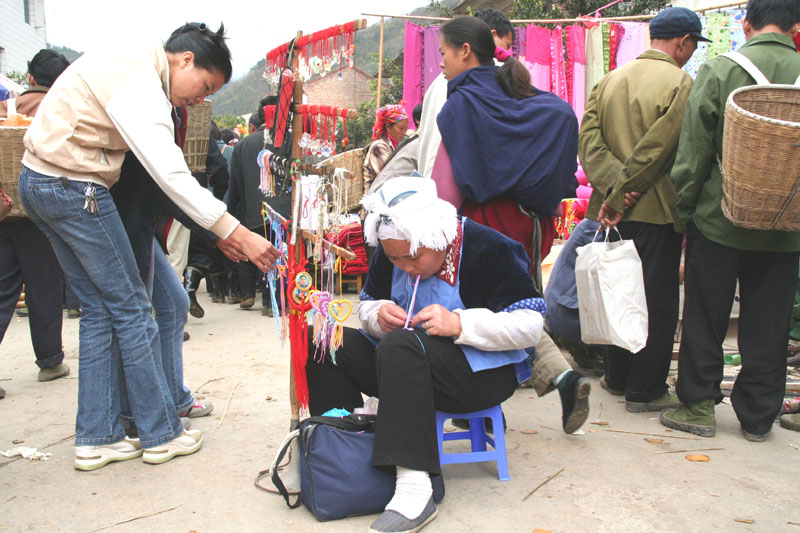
column 559, row 377
column 411, row 493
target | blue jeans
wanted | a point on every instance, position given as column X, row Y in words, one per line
column 171, row 304
column 97, row 259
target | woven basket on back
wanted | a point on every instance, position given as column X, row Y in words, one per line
column 761, row 157
column 352, row 160
column 11, row 151
column 198, row 129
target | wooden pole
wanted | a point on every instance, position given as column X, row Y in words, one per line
column 297, row 152
column 380, row 68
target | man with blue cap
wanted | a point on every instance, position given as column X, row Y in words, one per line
column 627, row 144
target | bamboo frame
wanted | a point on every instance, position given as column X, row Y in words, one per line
column 297, row 130
column 309, row 235
column 555, row 21
column 380, row 69
column 519, row 21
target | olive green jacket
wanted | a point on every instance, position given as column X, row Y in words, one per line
column 696, row 173
column 629, row 137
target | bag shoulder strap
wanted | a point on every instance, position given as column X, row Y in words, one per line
column 744, row 62
column 276, row 479
column 11, row 104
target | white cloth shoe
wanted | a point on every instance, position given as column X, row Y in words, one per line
column 94, row 457
column 187, row 443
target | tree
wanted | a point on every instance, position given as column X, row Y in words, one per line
column 550, row 9
column 19, row 77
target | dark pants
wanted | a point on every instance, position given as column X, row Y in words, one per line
column 413, row 374
column 27, row 257
column 766, row 291
column 199, row 255
column 249, row 277
column 643, row 376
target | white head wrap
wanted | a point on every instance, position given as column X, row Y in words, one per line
column 408, row 208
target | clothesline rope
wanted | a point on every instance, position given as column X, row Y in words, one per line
column 556, row 21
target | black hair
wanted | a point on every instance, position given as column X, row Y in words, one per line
column 259, row 114
column 227, row 135
column 46, row 66
column 513, row 77
column 209, row 48
column 416, row 114
column 496, row 21
column 782, row 13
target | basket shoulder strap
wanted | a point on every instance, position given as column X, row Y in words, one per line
column 11, row 104
column 744, row 62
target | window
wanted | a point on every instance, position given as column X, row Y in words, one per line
column 27, row 7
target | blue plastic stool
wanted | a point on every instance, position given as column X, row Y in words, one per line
column 478, row 436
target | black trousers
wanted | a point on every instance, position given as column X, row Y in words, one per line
column 643, row 376
column 26, row 256
column 766, row 293
column 412, row 374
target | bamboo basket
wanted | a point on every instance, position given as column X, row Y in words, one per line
column 352, row 160
column 11, row 151
column 761, row 158
column 198, row 129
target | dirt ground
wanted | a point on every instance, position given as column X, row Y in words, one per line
column 611, row 478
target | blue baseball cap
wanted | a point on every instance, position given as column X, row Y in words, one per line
column 676, row 22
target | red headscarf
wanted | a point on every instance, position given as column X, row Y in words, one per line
column 386, row 116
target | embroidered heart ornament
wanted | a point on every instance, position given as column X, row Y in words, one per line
column 340, row 309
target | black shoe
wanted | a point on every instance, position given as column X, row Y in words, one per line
column 216, row 284
column 574, row 389
column 463, row 423
column 234, row 294
column 2, row 393
column 191, row 282
column 186, row 336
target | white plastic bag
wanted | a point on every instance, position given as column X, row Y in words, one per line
column 611, row 299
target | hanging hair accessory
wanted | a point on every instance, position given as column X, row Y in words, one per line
column 501, row 54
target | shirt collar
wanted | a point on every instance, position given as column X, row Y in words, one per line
column 771, row 37
column 452, row 259
column 652, row 53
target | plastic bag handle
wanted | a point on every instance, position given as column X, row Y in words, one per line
column 608, row 233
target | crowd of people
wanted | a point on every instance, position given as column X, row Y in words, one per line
column 454, row 315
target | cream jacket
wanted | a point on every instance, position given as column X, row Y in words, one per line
column 106, row 104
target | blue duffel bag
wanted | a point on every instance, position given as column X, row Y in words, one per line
column 336, row 478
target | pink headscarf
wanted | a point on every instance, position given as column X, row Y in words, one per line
column 386, row 116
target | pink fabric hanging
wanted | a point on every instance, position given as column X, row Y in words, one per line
column 413, row 89
column 576, row 68
column 613, row 45
column 558, row 76
column 633, row 42
column 432, row 59
column 538, row 56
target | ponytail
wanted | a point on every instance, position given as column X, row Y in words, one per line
column 515, row 79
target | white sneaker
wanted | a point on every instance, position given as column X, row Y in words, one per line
column 94, row 457
column 186, row 443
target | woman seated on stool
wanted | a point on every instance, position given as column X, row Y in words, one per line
column 461, row 350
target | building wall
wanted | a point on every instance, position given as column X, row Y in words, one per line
column 19, row 41
column 350, row 91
